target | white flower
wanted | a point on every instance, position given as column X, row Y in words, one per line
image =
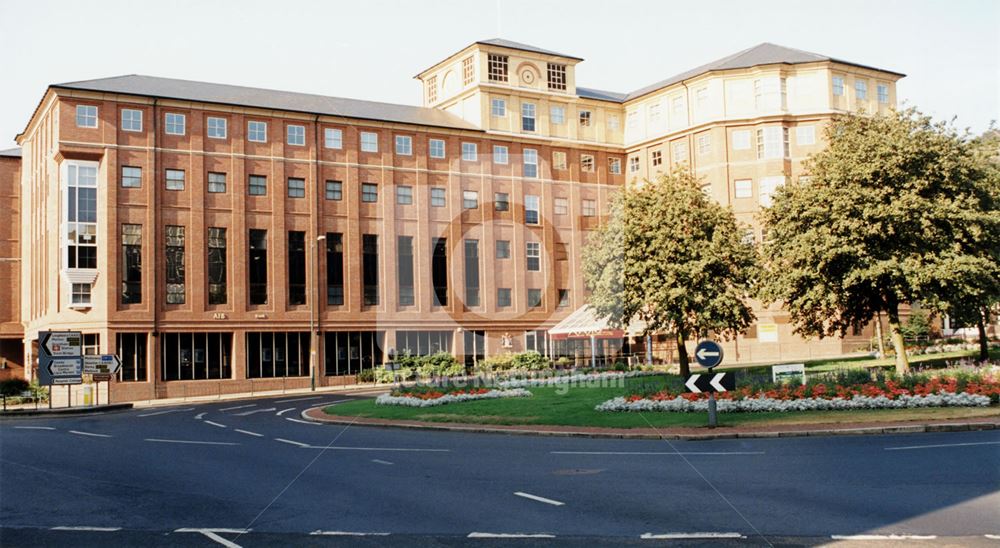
column 764, row 404
column 409, row 401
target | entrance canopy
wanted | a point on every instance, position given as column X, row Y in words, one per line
column 584, row 323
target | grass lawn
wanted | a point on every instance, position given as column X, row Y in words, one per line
column 834, row 364
column 575, row 407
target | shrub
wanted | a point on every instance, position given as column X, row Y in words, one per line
column 366, row 375
column 13, row 387
column 498, row 363
column 531, row 361
column 563, row 362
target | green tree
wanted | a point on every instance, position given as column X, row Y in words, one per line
column 671, row 257
column 893, row 213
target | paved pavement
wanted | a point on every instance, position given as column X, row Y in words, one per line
column 252, row 473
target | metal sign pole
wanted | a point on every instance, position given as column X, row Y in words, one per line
column 713, row 419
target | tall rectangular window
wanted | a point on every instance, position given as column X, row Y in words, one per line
column 131, row 119
column 556, row 76
column 559, row 160
column 496, row 67
column 86, row 116
column 861, row 90
column 369, row 268
column 743, row 188
column 527, row 117
column 334, row 268
column 470, row 199
column 334, row 190
column 770, row 143
column 174, row 251
column 530, row 162
column 531, row 208
column 131, row 264
column 436, row 148
column 498, row 107
column 561, row 206
column 432, row 89
column 503, row 249
column 216, row 128
column 404, row 145
column 501, row 201
column 257, row 185
column 615, row 166
column 404, row 195
column 468, row 70
column 499, row 154
column 437, row 197
column 296, row 135
column 469, row 152
column 587, row 163
column 534, row 298
column 131, row 350
column 471, row 273
column 503, row 297
column 838, row 86
column 217, row 293
column 257, row 267
column 563, row 298
column 589, row 208
column 584, row 118
column 404, row 270
column 174, row 123
column 81, row 215
column 557, row 115
column 704, row 145
column 534, row 256
column 333, row 138
column 216, row 182
column 257, row 131
column 131, row 177
column 439, row 271
column 369, row 141
column 296, row 187
column 369, row 192
column 296, row 267
column 680, row 151
column 883, row 93
column 175, row 179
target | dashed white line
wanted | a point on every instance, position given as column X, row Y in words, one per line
column 215, row 424
column 34, row 428
column 397, row 449
column 283, row 411
column 248, row 413
column 380, row 461
column 77, row 432
column 290, row 442
column 992, row 537
column 942, row 445
column 249, row 433
column 539, row 499
column 681, row 536
column 199, row 416
column 165, row 412
column 333, row 402
column 883, row 537
column 190, row 442
column 348, row 534
column 300, row 421
column 238, row 407
column 657, row 453
column 212, row 529
column 299, row 399
column 510, row 535
column 85, row 528
column 212, row 534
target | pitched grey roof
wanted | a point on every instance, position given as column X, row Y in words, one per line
column 524, row 47
column 600, row 94
column 186, row 90
column 761, row 54
column 10, row 153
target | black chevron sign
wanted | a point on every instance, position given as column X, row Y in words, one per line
column 711, row 382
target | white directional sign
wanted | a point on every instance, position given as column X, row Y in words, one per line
column 59, row 357
column 62, row 344
column 780, row 373
column 711, row 382
column 101, row 364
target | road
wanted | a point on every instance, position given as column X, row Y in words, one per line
column 253, row 473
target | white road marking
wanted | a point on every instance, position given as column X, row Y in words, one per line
column 283, row 411
column 397, row 449
column 348, row 534
column 190, row 442
column 89, row 434
column 700, row 453
column 883, row 537
column 85, row 528
column 239, row 407
column 510, row 535
column 199, row 416
column 300, row 421
column 539, row 499
column 333, row 402
column 165, row 412
column 679, row 536
column 299, row 399
column 249, row 433
column 212, row 529
column 215, row 424
column 34, row 427
column 942, row 445
column 992, row 537
column 380, row 461
column 247, row 413
column 300, row 444
column 211, row 533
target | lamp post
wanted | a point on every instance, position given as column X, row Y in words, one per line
column 313, row 339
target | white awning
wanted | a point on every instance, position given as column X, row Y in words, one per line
column 584, row 323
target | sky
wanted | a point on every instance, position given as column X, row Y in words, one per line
column 949, row 49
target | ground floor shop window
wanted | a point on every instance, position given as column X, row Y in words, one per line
column 423, row 343
column 348, row 352
column 195, row 356
column 132, row 352
column 475, row 347
column 277, row 355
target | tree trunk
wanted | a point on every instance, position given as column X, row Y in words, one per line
column 902, row 364
column 984, row 345
column 682, row 355
column 878, row 333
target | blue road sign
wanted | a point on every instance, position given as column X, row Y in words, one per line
column 708, row 354
column 60, row 360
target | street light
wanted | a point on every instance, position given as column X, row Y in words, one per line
column 313, row 339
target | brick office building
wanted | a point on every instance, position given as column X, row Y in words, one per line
column 216, row 236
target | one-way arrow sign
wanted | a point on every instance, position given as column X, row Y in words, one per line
column 708, row 354
column 711, row 382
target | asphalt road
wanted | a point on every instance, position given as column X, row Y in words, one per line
column 252, row 473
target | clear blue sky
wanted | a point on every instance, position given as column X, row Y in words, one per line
column 950, row 50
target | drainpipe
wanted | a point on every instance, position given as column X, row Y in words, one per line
column 153, row 372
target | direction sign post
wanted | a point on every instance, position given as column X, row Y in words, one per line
column 60, row 358
column 708, row 354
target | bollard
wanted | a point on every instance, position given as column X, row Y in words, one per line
column 713, row 419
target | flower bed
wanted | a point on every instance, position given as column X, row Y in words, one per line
column 432, row 397
column 936, row 392
column 576, row 378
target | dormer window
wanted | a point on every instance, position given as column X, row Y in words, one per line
column 557, row 77
column 497, row 67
